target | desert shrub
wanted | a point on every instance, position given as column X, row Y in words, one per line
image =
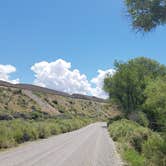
column 21, row 115
column 43, row 130
column 6, row 142
column 22, row 102
column 55, row 102
column 5, row 116
column 6, row 138
column 30, row 132
column 34, row 115
column 20, row 130
column 70, row 102
column 23, row 131
column 61, row 111
column 18, row 134
column 54, row 128
column 64, row 127
column 17, row 92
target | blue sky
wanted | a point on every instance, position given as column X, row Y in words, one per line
column 89, row 34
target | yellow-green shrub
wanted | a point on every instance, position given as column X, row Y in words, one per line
column 17, row 131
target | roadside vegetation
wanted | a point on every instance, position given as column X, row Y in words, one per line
column 20, row 130
column 22, row 119
column 138, row 145
column 138, row 88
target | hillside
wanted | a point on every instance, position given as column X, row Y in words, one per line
column 24, row 98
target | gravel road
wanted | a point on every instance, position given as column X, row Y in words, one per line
column 89, row 146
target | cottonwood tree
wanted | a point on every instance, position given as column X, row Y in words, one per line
column 126, row 87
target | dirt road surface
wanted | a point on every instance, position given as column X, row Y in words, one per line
column 89, row 146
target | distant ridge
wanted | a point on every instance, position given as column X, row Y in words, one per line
column 51, row 91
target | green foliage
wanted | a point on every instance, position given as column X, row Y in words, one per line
column 133, row 157
column 139, row 117
column 43, row 130
column 17, row 131
column 154, row 150
column 155, row 104
column 126, row 86
column 139, row 87
column 6, row 138
column 139, row 145
column 146, row 14
column 115, row 118
column 129, row 132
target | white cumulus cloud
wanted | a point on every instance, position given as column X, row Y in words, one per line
column 58, row 75
column 5, row 71
column 99, row 83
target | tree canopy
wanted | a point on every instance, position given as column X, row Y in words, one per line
column 155, row 103
column 146, row 14
column 126, row 86
column 139, row 85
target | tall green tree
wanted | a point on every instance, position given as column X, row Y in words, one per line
column 155, row 103
column 126, row 87
column 146, row 14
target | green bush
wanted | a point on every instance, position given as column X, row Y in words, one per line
column 6, row 137
column 17, row 131
column 133, row 157
column 154, row 149
column 6, row 142
column 139, row 145
column 53, row 127
column 22, row 131
column 129, row 131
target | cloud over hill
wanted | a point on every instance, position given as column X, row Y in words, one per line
column 5, row 71
column 59, row 75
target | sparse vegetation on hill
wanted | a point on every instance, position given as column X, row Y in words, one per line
column 12, row 99
column 15, row 102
